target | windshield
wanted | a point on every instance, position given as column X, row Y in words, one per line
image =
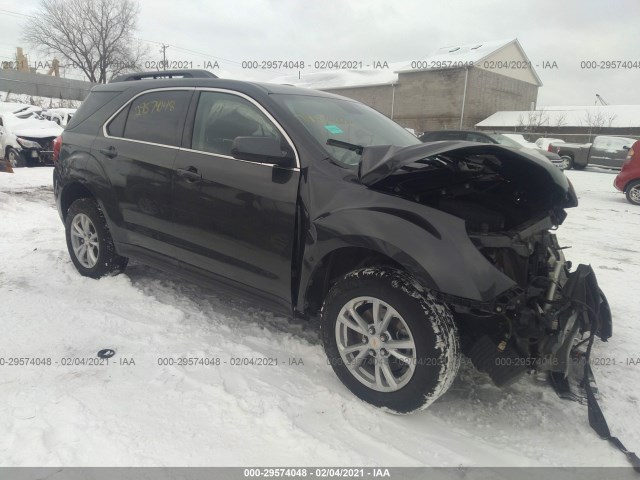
column 506, row 141
column 345, row 121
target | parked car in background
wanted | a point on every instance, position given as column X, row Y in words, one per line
column 628, row 180
column 519, row 138
column 20, row 110
column 605, row 151
column 410, row 254
column 483, row 137
column 61, row 116
column 544, row 143
column 27, row 141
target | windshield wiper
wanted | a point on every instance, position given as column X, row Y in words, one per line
column 347, row 146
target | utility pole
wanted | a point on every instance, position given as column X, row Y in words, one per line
column 164, row 56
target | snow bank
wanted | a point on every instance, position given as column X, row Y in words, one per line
column 290, row 414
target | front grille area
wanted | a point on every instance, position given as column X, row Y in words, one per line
column 45, row 143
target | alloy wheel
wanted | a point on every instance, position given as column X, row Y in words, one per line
column 84, row 240
column 375, row 344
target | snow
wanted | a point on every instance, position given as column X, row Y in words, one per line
column 327, row 79
column 340, row 78
column 471, row 53
column 18, row 99
column 618, row 116
column 151, row 415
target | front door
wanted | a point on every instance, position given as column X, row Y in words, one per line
column 232, row 217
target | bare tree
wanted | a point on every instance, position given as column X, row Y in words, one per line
column 597, row 120
column 95, row 36
column 533, row 120
column 560, row 120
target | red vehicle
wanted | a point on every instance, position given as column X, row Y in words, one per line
column 628, row 180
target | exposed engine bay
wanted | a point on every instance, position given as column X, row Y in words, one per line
column 510, row 206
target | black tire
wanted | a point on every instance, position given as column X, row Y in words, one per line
column 15, row 159
column 430, row 324
column 569, row 162
column 633, row 192
column 108, row 262
column 577, row 166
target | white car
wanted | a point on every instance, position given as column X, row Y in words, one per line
column 59, row 115
column 544, row 142
column 27, row 141
column 20, row 110
column 516, row 137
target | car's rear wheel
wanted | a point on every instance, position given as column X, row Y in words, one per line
column 567, row 162
column 15, row 159
column 89, row 241
column 388, row 340
column 633, row 192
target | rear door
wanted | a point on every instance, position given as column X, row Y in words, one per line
column 234, row 218
column 137, row 153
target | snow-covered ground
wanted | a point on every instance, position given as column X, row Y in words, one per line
column 147, row 414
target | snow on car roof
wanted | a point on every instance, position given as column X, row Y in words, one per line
column 621, row 116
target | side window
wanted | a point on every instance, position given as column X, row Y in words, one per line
column 601, row 142
column 156, row 117
column 221, row 117
column 116, row 126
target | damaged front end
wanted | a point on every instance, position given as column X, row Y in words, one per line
column 511, row 203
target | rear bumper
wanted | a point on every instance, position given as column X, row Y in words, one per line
column 623, row 179
column 57, row 192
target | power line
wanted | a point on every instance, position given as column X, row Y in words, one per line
column 12, row 12
column 206, row 55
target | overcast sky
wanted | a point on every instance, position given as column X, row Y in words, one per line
column 567, row 32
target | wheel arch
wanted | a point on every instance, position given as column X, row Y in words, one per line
column 72, row 192
column 629, row 183
column 333, row 266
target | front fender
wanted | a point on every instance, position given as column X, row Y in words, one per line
column 431, row 245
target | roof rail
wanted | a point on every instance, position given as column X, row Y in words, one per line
column 163, row 74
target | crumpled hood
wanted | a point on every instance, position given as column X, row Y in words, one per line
column 380, row 161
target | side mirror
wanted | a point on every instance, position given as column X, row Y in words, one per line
column 626, row 147
column 263, row 150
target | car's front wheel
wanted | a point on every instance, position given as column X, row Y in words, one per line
column 389, row 340
column 633, row 192
column 89, row 241
column 15, row 159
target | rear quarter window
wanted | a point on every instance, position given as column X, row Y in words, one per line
column 91, row 104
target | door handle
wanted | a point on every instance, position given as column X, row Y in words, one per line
column 190, row 174
column 110, row 151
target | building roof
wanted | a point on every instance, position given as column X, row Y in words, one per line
column 327, row 79
column 472, row 53
column 444, row 58
column 457, row 56
column 615, row 116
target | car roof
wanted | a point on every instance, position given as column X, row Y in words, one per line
column 459, row 131
column 238, row 85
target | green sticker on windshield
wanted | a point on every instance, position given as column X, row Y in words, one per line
column 333, row 129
